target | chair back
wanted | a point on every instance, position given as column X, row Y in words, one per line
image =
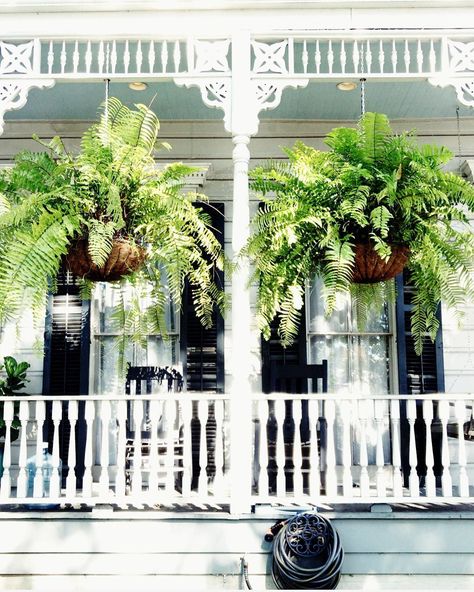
column 149, row 380
column 294, row 378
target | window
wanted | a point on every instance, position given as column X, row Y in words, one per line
column 360, row 359
column 155, row 351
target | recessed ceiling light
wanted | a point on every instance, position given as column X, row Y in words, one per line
column 138, row 85
column 347, row 85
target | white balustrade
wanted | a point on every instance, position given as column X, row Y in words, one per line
column 145, row 448
column 315, row 55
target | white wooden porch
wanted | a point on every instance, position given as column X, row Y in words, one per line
column 179, row 448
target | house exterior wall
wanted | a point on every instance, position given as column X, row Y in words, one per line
column 207, row 141
column 202, row 551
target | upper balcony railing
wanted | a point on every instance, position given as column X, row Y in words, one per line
column 318, row 55
column 179, row 448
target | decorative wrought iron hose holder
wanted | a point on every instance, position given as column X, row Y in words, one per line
column 307, row 553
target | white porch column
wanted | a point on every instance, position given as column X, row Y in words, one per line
column 243, row 115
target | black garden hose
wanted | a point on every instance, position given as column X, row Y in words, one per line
column 307, row 554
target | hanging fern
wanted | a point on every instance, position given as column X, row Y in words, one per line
column 371, row 187
column 111, row 191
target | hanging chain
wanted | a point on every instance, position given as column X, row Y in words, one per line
column 459, row 134
column 362, row 96
column 106, row 111
column 362, row 81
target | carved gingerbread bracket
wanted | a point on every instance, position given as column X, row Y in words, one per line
column 20, row 63
column 14, row 94
column 266, row 94
column 458, row 70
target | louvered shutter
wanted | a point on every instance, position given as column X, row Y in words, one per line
column 422, row 374
column 202, row 355
column 66, row 361
column 202, row 350
column 416, row 374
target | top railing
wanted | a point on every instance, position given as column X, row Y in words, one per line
column 318, row 55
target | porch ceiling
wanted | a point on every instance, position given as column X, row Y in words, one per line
column 320, row 100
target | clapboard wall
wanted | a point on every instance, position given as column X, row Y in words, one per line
column 125, row 550
column 208, row 142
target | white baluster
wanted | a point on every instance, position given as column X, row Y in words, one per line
column 75, row 58
column 88, row 57
column 38, row 479
column 331, row 475
column 126, row 57
column 101, row 57
column 379, row 408
column 139, row 57
column 460, row 410
column 406, row 57
column 107, row 57
column 263, row 449
column 177, row 56
column 446, row 480
column 151, row 57
column 430, row 478
column 297, row 455
column 381, row 56
column 72, row 414
column 187, row 411
column 113, row 57
column 63, row 58
column 317, row 58
column 394, row 57
column 55, row 482
column 432, row 57
column 314, row 471
column 203, row 416
column 6, row 482
column 89, row 416
column 219, row 449
column 305, row 57
column 105, row 416
column 50, row 57
column 419, row 57
column 413, row 479
column 22, row 483
column 190, row 54
column 164, row 56
column 346, row 413
column 330, row 57
column 368, row 57
column 121, row 448
column 280, row 449
column 170, row 411
column 137, row 479
column 343, row 57
column 363, row 458
column 396, row 451
column 355, row 57
column 155, row 410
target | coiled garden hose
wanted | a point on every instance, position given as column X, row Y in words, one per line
column 307, row 553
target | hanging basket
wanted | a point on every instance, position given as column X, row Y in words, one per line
column 369, row 268
column 125, row 258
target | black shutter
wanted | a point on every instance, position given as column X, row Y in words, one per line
column 202, row 350
column 418, row 375
column 202, row 355
column 66, row 361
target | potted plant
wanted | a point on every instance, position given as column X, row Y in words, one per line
column 14, row 381
column 356, row 215
column 108, row 213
